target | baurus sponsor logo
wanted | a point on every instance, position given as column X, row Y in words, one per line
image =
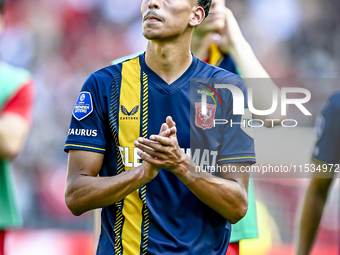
column 83, row 132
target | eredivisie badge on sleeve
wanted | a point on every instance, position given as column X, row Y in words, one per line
column 83, row 107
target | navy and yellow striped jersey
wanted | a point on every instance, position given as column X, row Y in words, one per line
column 327, row 148
column 128, row 100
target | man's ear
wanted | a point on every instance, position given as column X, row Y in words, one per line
column 197, row 17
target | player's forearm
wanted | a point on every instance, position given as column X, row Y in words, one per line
column 310, row 218
column 224, row 196
column 246, row 60
column 262, row 89
column 227, row 197
column 88, row 192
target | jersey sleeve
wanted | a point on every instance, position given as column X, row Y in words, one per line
column 237, row 139
column 22, row 102
column 88, row 124
column 327, row 148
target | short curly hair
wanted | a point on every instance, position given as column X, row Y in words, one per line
column 205, row 4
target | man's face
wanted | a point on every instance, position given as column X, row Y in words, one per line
column 216, row 19
column 163, row 19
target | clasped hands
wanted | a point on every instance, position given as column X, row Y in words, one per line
column 162, row 150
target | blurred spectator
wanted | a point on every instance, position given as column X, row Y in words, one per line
column 326, row 158
column 16, row 100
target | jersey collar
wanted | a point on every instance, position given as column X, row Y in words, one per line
column 163, row 85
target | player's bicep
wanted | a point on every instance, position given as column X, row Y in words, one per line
column 86, row 163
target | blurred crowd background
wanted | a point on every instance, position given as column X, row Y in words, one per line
column 62, row 42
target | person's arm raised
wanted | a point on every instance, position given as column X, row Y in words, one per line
column 231, row 41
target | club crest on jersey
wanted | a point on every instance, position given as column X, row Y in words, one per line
column 83, row 107
column 129, row 115
column 205, row 121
